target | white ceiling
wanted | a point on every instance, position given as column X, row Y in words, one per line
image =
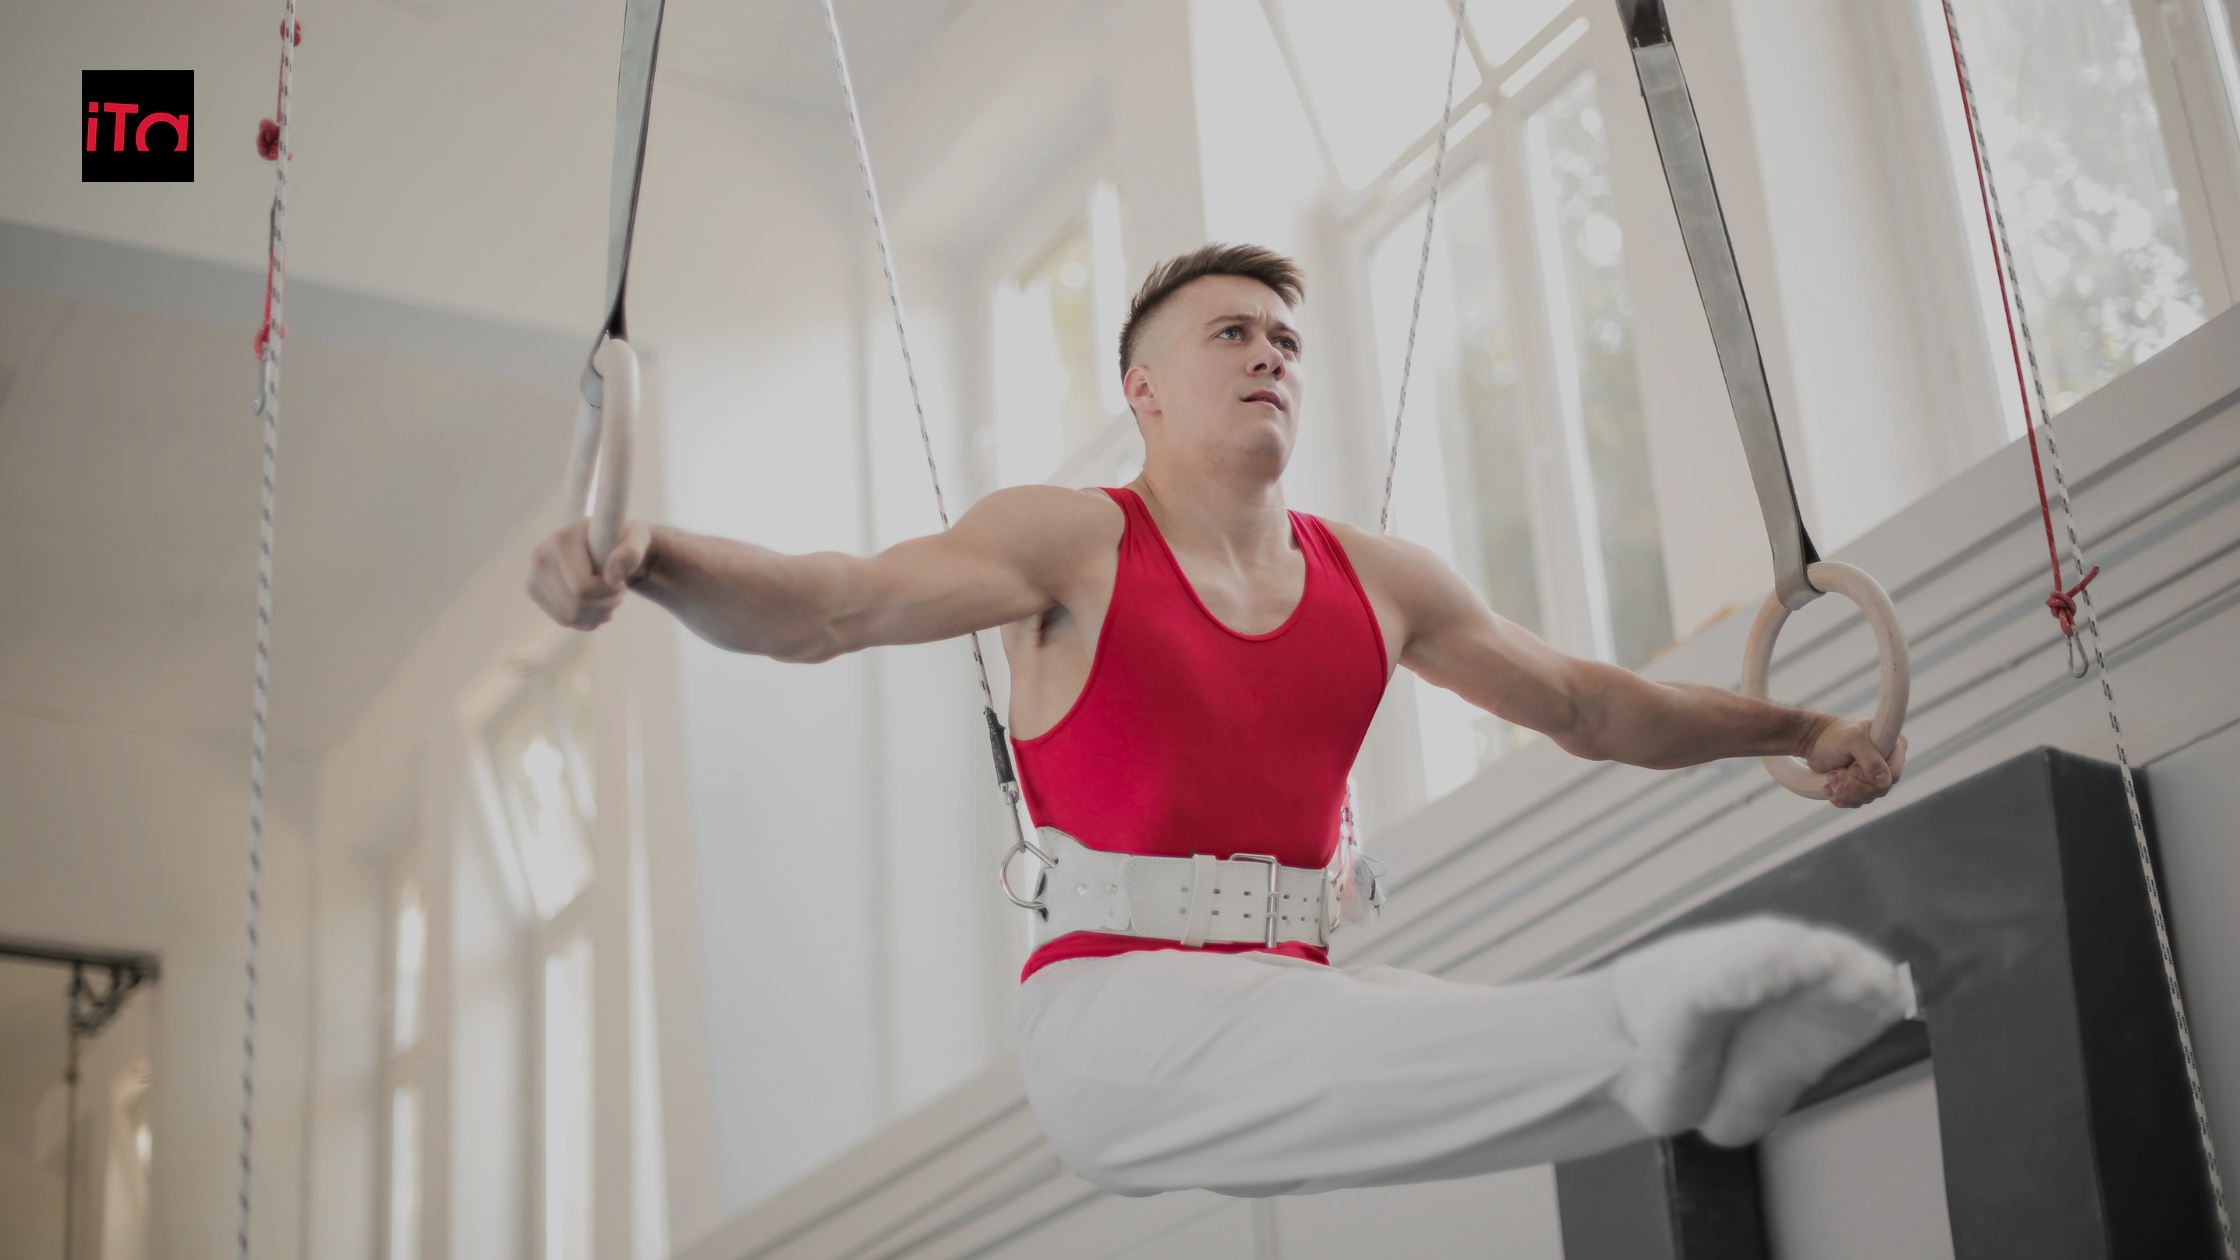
column 772, row 50
column 413, row 439
column 129, row 490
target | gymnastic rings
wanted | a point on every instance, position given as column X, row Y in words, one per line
column 602, row 447
column 1889, row 640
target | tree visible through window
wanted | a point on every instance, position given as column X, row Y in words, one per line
column 2076, row 145
column 1591, row 318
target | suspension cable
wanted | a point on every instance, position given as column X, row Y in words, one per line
column 1423, row 272
column 2019, row 340
column 1007, row 779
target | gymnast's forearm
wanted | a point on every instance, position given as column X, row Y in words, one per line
column 1665, row 726
column 746, row 598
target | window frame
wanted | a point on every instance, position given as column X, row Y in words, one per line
column 1499, row 141
column 542, row 935
column 2185, row 82
column 404, row 1067
column 1031, row 233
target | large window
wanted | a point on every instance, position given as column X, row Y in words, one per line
column 1526, row 461
column 2113, row 145
column 408, row 968
column 1590, row 320
column 537, row 753
column 1060, row 415
column 2075, row 142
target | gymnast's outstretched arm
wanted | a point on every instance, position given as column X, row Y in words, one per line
column 1012, row 556
column 1591, row 709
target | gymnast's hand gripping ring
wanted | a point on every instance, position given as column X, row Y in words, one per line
column 602, row 446
column 1889, row 640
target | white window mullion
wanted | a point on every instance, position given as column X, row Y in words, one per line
column 2181, row 40
column 1594, row 584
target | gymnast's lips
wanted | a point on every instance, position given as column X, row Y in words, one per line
column 1270, row 397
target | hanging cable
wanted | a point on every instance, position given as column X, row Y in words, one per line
column 1007, row 779
column 272, row 143
column 2061, row 601
column 1349, row 837
column 1423, row 272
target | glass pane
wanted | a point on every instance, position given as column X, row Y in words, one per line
column 1466, row 457
column 1582, row 255
column 1374, row 74
column 567, row 1101
column 541, row 801
column 1504, row 26
column 1059, row 409
column 404, row 1174
column 570, row 683
column 1059, row 287
column 2227, row 54
column 2084, row 182
column 412, row 960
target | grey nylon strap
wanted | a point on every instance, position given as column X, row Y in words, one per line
column 633, row 109
column 1703, row 228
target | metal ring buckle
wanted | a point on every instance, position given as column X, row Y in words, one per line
column 1275, row 868
column 1041, row 875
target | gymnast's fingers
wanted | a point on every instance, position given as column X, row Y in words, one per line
column 629, row 554
column 562, row 582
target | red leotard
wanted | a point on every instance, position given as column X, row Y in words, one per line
column 1191, row 738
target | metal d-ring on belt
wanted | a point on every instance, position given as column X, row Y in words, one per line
column 1800, row 575
column 609, row 409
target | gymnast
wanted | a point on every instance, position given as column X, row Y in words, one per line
column 1194, row 668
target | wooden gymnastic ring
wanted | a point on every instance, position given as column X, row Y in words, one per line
column 1890, row 641
column 602, row 445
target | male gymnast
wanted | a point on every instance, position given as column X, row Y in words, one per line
column 1193, row 670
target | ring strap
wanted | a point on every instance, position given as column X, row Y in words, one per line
column 1703, row 229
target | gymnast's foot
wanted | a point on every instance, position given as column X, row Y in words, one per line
column 1732, row 1022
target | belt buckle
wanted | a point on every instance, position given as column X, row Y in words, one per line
column 1268, row 915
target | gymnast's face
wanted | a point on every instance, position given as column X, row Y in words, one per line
column 1216, row 379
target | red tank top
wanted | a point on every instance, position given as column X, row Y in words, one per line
column 1192, row 738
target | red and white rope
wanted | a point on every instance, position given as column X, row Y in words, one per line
column 2023, row 348
column 273, row 142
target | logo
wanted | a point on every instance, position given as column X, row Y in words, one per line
column 137, row 126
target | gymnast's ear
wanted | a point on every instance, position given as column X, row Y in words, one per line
column 1140, row 391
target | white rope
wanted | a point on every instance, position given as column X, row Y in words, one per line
column 1349, row 838
column 2100, row 660
column 909, row 367
column 268, row 402
column 1423, row 272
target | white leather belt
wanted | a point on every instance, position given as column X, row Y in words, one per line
column 1194, row 900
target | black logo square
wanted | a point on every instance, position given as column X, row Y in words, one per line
column 135, row 127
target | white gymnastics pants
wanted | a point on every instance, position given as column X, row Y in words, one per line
column 1257, row 1074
